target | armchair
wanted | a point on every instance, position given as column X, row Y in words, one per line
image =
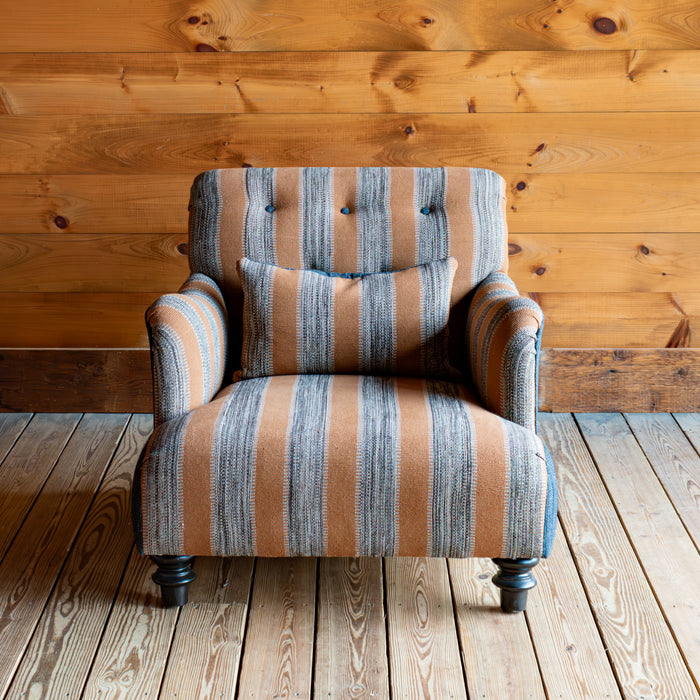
column 348, row 371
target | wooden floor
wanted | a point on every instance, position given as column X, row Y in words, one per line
column 616, row 612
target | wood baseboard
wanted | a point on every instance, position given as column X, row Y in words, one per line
column 585, row 380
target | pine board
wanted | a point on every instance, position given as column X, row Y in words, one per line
column 350, row 82
column 645, row 657
column 11, row 427
column 57, row 662
column 666, row 552
column 653, row 142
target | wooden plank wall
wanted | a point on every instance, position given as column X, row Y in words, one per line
column 590, row 110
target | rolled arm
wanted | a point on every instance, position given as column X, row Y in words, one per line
column 188, row 332
column 503, row 341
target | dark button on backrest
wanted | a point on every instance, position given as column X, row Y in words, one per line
column 269, row 208
column 425, row 210
column 344, row 210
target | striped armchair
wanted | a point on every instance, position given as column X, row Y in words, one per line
column 348, row 371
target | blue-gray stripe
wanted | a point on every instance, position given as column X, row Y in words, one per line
column 317, row 219
column 163, row 531
column 170, row 373
column 432, row 229
column 315, row 323
column 453, row 484
column 527, row 461
column 490, row 234
column 233, row 466
column 259, row 225
column 205, row 220
column 305, row 464
column 377, row 466
column 260, row 278
column 435, row 306
column 375, row 250
column 378, row 324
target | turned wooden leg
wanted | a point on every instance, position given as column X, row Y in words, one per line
column 515, row 579
column 173, row 576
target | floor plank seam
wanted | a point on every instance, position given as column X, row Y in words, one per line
column 459, row 636
column 246, row 625
column 386, row 628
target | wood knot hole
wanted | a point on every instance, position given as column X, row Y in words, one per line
column 644, row 250
column 540, row 271
column 193, row 20
column 521, row 186
column 182, row 248
column 61, row 222
column 605, row 25
column 427, row 20
column 514, row 249
column 408, row 130
column 203, row 48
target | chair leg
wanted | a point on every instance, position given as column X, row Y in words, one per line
column 515, row 579
column 173, row 576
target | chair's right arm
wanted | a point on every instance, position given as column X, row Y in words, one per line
column 188, row 332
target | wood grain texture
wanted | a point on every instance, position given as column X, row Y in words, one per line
column 628, row 320
column 499, row 660
column 690, row 424
column 537, row 203
column 666, row 552
column 350, row 82
column 32, row 563
column 351, row 644
column 274, row 25
column 645, row 657
column 65, row 204
column 115, row 380
column 652, row 142
column 569, row 650
column 11, row 427
column 134, row 649
column 614, row 262
column 424, row 658
column 26, row 468
column 59, row 262
column 675, row 462
column 645, row 380
column 277, row 660
column 75, row 320
column 209, row 634
column 595, row 203
column 58, row 660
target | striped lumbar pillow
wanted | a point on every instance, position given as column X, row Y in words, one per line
column 311, row 322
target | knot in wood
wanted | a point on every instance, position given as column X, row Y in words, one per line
column 605, row 25
column 61, row 222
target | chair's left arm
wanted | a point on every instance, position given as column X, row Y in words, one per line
column 503, row 342
column 188, row 332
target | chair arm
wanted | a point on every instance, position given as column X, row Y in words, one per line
column 503, row 341
column 188, row 332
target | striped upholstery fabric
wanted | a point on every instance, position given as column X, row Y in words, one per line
column 189, row 338
column 344, row 465
column 396, row 218
column 309, row 322
column 503, row 338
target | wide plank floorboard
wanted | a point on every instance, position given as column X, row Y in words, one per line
column 614, row 614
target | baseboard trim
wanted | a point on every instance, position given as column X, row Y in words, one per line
column 578, row 379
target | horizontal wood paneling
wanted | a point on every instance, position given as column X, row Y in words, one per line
column 95, row 320
column 562, row 143
column 350, row 82
column 617, row 262
column 634, row 320
column 538, row 203
column 60, row 262
column 273, row 25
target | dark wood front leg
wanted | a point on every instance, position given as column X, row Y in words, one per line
column 515, row 579
column 173, row 576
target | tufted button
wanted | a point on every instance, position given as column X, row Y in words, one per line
column 344, row 210
column 425, row 210
column 269, row 208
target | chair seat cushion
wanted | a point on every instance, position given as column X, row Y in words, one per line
column 344, row 465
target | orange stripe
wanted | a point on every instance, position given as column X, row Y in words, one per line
column 345, row 225
column 287, row 226
column 459, row 187
column 489, row 514
column 408, row 321
column 341, row 470
column 415, row 470
column 347, row 318
column 270, row 506
column 403, row 219
column 284, row 321
column 196, row 477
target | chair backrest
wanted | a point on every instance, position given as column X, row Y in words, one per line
column 348, row 220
